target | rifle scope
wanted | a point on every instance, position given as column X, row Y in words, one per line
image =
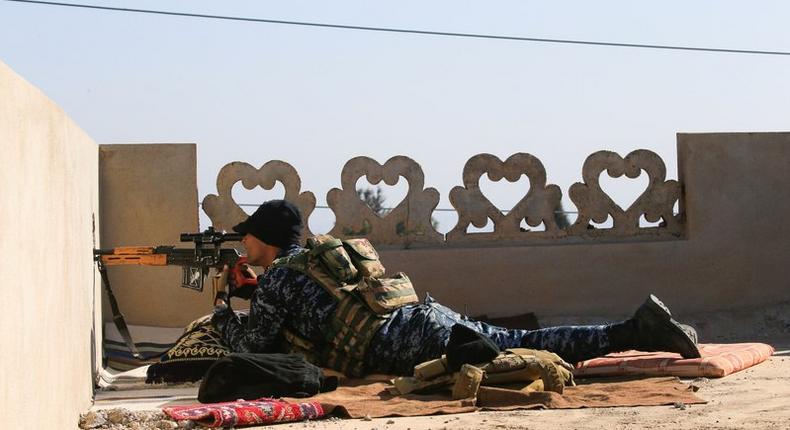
column 210, row 236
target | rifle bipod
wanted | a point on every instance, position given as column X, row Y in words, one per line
column 117, row 316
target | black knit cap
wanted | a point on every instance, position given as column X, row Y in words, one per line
column 276, row 222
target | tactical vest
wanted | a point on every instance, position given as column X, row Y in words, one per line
column 351, row 272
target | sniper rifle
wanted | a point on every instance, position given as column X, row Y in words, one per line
column 195, row 263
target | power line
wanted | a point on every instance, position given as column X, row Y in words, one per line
column 407, row 31
column 255, row 205
column 504, row 211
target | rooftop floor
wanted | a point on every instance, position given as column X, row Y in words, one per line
column 758, row 397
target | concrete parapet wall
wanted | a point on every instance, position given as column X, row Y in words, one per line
column 737, row 197
column 148, row 198
column 48, row 286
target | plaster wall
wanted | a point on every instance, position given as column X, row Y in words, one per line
column 734, row 254
column 148, row 197
column 48, row 204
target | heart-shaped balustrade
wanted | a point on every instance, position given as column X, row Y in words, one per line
column 504, row 194
column 389, row 194
column 624, row 190
column 408, row 222
column 537, row 205
column 655, row 202
column 223, row 210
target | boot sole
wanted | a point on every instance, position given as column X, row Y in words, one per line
column 658, row 310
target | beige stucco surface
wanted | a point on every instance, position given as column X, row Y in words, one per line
column 148, row 195
column 734, row 255
column 48, row 201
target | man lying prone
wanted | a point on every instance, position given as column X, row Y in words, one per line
column 291, row 305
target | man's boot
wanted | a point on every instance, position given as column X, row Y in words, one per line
column 653, row 329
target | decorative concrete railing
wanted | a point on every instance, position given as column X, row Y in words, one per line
column 409, row 223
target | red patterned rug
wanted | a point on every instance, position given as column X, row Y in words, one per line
column 246, row 412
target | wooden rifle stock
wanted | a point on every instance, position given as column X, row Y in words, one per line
column 134, row 255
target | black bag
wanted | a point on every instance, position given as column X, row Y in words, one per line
column 466, row 346
column 252, row 376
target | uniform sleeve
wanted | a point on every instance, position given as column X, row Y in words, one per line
column 267, row 314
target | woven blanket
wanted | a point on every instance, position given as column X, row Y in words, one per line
column 717, row 360
column 359, row 398
column 150, row 341
column 246, row 412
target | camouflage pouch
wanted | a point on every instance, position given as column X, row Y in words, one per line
column 364, row 257
column 384, row 295
column 333, row 258
column 511, row 368
column 431, row 369
column 467, row 384
column 565, row 369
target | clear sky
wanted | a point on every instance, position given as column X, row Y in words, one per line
column 316, row 97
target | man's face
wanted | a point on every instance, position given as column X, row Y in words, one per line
column 259, row 253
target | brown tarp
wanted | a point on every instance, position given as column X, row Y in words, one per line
column 357, row 399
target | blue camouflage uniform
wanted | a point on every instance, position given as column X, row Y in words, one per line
column 286, row 298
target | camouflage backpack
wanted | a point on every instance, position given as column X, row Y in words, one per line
column 350, row 270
